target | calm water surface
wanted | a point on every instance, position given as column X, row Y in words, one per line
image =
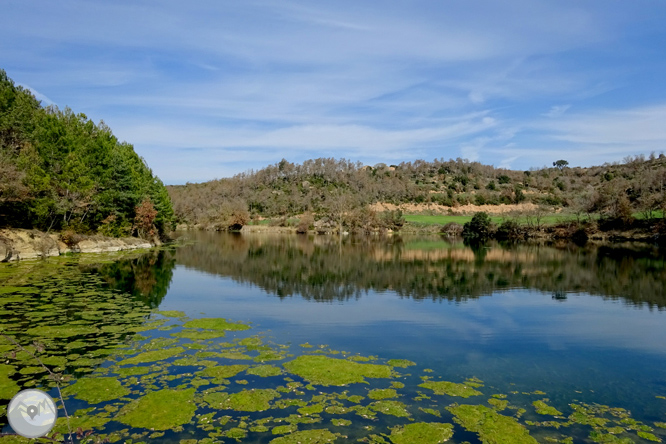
column 582, row 325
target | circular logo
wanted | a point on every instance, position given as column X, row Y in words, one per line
column 32, row 413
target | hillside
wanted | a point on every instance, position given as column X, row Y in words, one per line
column 340, row 190
column 61, row 171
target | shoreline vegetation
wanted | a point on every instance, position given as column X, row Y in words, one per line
column 68, row 180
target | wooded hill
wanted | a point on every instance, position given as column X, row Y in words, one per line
column 331, row 188
column 61, row 171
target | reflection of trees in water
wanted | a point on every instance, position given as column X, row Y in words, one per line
column 322, row 269
column 147, row 277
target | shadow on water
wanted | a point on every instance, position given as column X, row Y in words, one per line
column 322, row 269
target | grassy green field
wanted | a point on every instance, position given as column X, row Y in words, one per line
column 423, row 219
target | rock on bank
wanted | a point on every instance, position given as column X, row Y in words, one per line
column 16, row 244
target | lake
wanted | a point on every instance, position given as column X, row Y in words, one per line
column 264, row 338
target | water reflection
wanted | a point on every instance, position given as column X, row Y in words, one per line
column 321, row 269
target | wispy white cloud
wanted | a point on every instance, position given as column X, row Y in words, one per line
column 348, row 78
column 557, row 110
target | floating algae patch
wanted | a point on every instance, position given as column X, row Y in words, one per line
column 379, row 394
column 402, row 363
column 130, row 371
column 394, row 408
column 421, row 433
column 500, row 404
column 327, row 371
column 152, row 356
column 314, row 436
column 221, row 372
column 450, row 388
column 199, row 334
column 215, row 324
column 491, row 427
column 264, row 371
column 544, row 409
column 8, row 387
column 61, row 331
column 96, row 390
column 255, row 400
column 431, row 411
column 171, row 313
column 160, row 410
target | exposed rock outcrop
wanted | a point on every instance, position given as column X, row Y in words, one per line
column 16, row 244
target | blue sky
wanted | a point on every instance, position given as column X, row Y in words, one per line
column 207, row 89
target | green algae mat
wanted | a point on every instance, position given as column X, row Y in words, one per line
column 133, row 374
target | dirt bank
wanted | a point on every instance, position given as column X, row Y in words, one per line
column 17, row 244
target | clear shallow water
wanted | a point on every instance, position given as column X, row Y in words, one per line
column 581, row 325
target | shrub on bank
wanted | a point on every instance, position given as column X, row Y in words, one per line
column 479, row 228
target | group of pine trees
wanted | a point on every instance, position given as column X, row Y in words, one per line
column 59, row 170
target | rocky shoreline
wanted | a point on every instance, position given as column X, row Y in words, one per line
column 18, row 244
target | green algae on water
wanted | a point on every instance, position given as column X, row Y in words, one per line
column 264, row 371
column 221, row 372
column 394, row 408
column 96, row 390
column 544, row 409
column 378, row 394
column 450, row 388
column 254, row 400
column 199, row 334
column 491, row 427
column 402, row 363
column 421, row 433
column 152, row 356
column 160, row 410
column 215, row 324
column 314, row 436
column 327, row 371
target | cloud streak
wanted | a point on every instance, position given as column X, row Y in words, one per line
column 365, row 80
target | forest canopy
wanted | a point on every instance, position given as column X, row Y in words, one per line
column 59, row 170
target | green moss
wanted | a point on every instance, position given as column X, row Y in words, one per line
column 402, row 363
column 378, row 394
column 450, row 388
column 152, row 356
column 661, row 425
column 160, row 410
column 215, row 324
column 264, row 371
column 327, row 371
column 340, row 422
column 421, row 433
column 394, row 408
column 491, row 427
column 96, row 390
column 255, row 400
column 314, row 436
column 544, row 409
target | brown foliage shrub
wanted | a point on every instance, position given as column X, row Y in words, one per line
column 71, row 238
column 306, row 223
